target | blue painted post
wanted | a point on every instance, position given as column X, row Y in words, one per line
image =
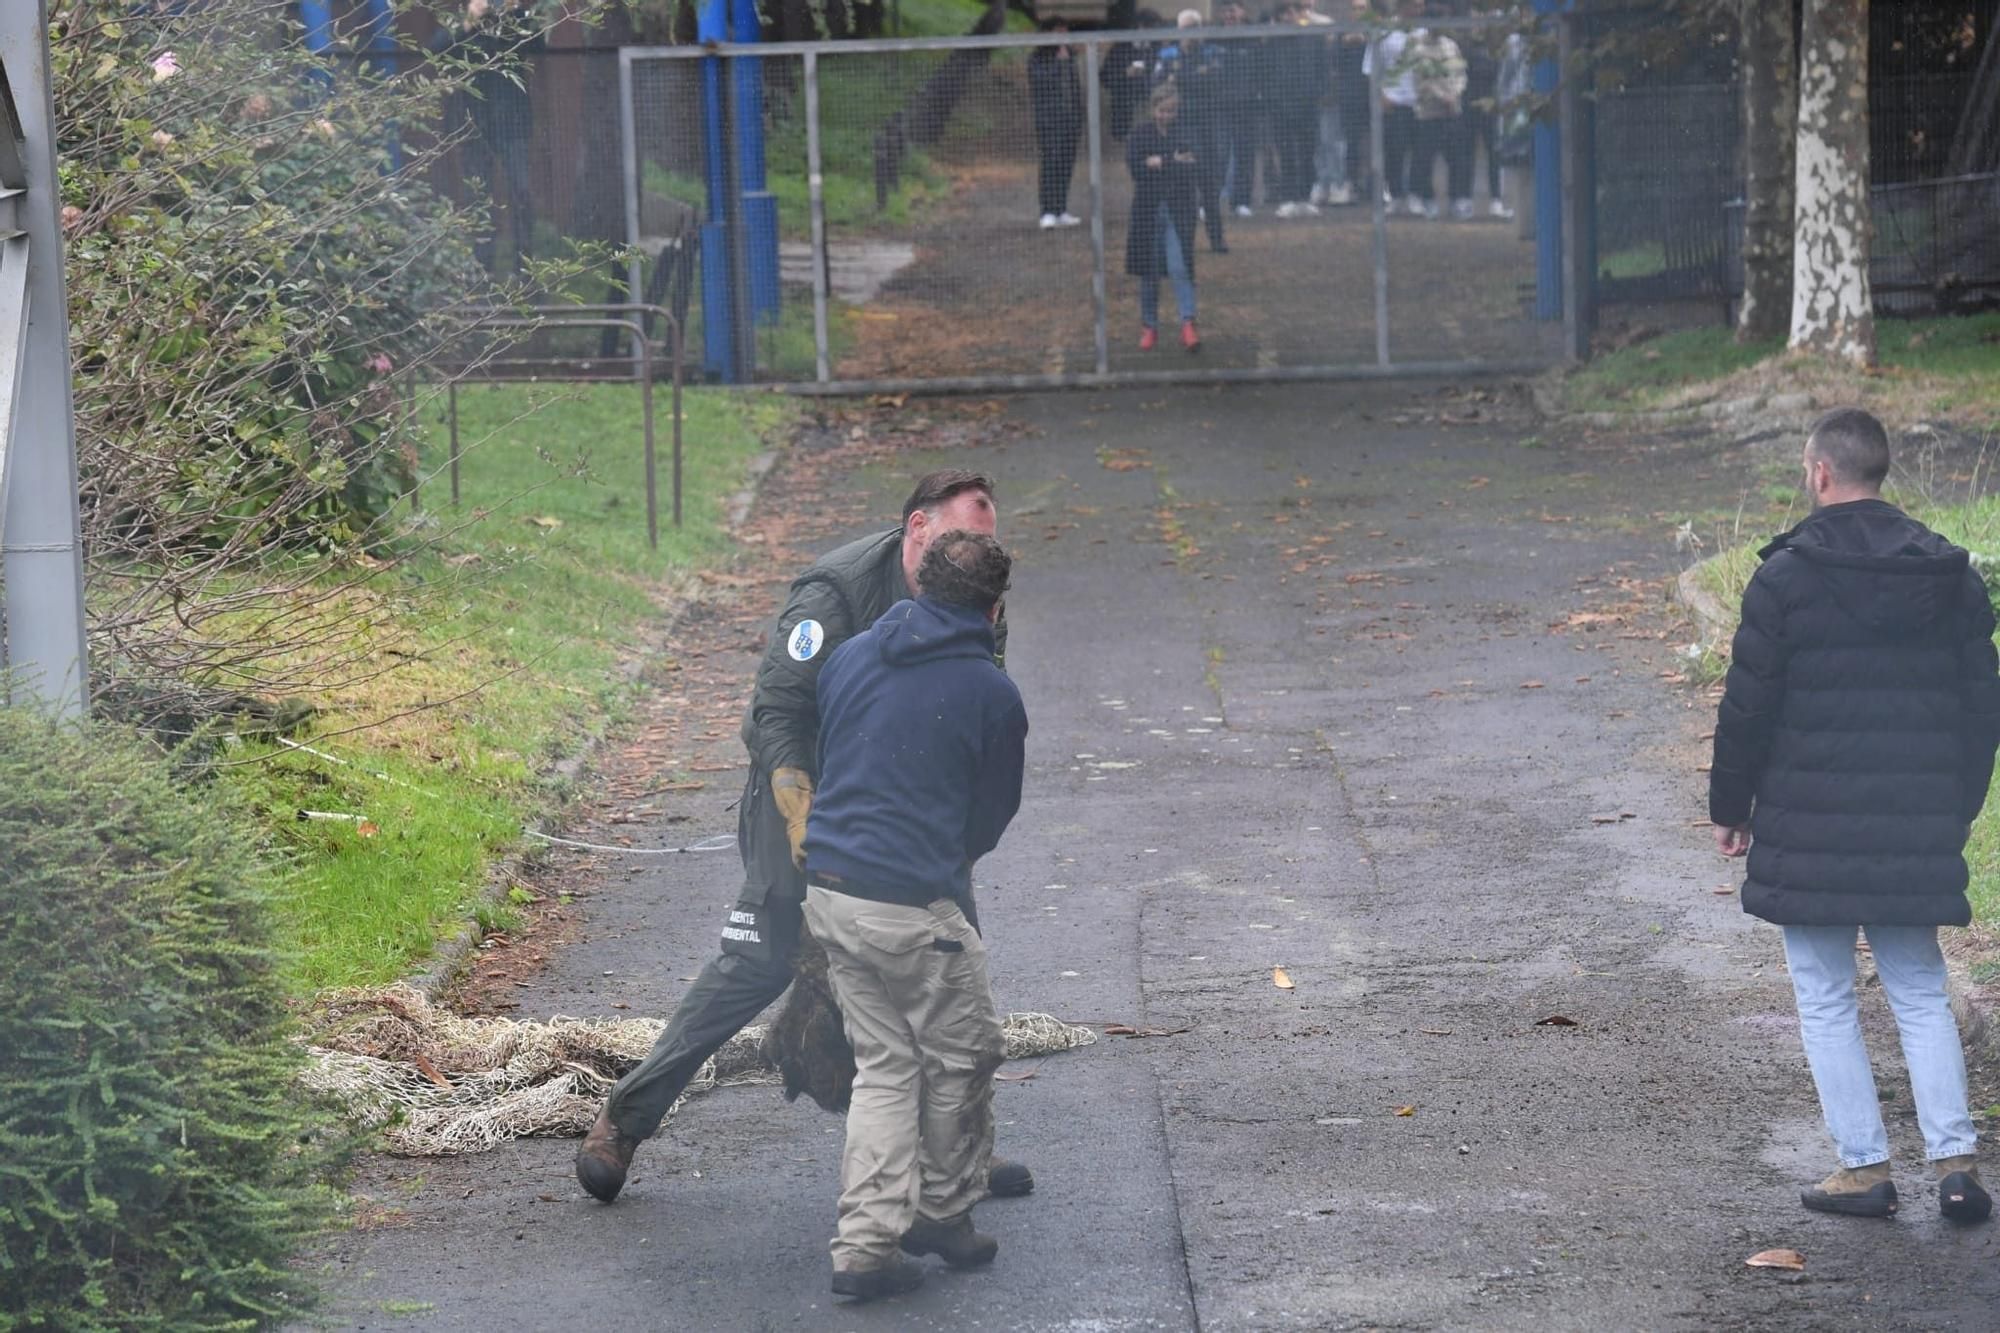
column 317, row 18
column 760, row 209
column 717, row 335
column 1548, row 187
column 382, row 62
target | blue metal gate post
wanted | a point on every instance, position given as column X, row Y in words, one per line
column 1548, row 182
column 760, row 208
column 39, row 541
column 718, row 342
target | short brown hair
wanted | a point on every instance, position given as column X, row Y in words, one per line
column 934, row 488
column 965, row 569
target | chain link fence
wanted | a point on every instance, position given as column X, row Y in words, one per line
column 1019, row 210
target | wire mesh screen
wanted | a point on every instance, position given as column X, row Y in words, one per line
column 1055, row 208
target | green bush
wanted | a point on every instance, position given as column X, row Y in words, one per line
column 158, row 1165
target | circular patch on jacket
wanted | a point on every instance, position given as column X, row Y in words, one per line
column 807, row 636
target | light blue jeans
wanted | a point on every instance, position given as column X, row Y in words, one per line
column 1907, row 958
column 1149, row 288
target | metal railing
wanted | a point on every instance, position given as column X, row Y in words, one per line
column 642, row 363
column 44, row 649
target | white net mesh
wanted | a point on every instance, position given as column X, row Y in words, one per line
column 437, row 1083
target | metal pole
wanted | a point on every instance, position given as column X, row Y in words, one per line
column 742, row 332
column 40, row 542
column 1094, row 130
column 822, row 363
column 628, row 129
column 1378, row 162
column 680, row 348
column 1574, row 275
column 652, row 486
column 451, row 397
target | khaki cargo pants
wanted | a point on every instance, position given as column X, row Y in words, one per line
column 919, row 1013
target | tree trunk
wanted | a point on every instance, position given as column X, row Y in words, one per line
column 1832, row 307
column 1770, row 130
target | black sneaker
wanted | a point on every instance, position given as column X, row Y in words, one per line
column 894, row 1277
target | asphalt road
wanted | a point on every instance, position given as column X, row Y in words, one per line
column 1319, row 681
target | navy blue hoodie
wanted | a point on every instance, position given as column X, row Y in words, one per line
column 921, row 742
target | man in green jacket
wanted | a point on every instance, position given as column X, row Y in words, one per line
column 840, row 595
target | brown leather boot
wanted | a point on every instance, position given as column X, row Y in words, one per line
column 954, row 1241
column 1860, row 1191
column 1961, row 1197
column 604, row 1158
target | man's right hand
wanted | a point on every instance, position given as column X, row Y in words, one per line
column 1732, row 840
column 792, row 793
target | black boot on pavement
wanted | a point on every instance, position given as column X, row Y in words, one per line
column 1008, row 1180
column 955, row 1241
column 1861, row 1191
column 1961, row 1198
column 604, row 1158
column 893, row 1277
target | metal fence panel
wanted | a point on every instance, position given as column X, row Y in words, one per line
column 970, row 217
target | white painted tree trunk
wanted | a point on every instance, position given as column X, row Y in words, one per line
column 1832, row 306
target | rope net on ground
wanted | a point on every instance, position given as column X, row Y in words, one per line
column 438, row 1083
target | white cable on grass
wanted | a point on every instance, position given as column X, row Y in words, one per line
column 722, row 842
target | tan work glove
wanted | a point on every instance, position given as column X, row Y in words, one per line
column 792, row 790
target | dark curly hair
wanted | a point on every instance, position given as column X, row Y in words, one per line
column 965, row 569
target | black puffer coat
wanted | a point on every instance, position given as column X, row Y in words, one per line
column 1859, row 719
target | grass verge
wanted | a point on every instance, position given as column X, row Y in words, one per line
column 482, row 660
column 1929, row 367
column 1974, row 525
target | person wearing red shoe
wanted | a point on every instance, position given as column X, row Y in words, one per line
column 1166, row 197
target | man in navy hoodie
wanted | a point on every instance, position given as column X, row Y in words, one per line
column 920, row 756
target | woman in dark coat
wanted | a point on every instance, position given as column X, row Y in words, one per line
column 1166, row 189
column 1056, row 94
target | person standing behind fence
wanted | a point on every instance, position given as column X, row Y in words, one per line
column 1481, row 122
column 1853, row 750
column 1439, row 71
column 1352, row 169
column 1241, row 94
column 1330, row 152
column 1399, row 114
column 1165, row 199
column 1056, row 94
column 1126, row 77
column 1195, row 70
column 1299, row 82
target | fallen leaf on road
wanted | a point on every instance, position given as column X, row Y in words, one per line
column 1531, row 685
column 1281, row 978
column 1789, row 1259
column 1557, row 1021
column 1723, row 889
column 1406, row 1110
column 1127, row 1030
column 1022, row 1077
column 1435, row 1032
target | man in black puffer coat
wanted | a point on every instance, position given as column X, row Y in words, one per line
column 1853, row 750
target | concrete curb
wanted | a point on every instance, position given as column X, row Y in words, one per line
column 1757, row 413
column 1977, row 1028
column 454, row 954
